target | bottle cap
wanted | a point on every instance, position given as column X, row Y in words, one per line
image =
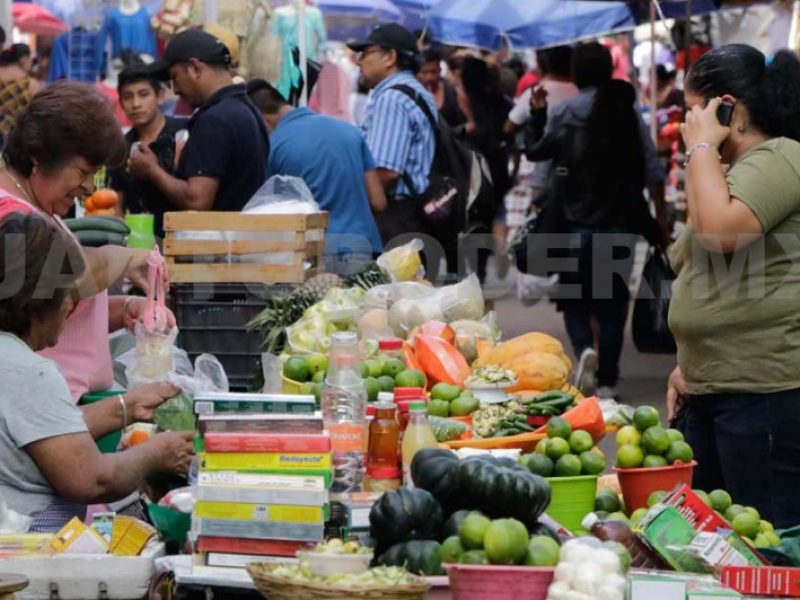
column 384, row 473
column 385, row 397
column 390, row 345
column 589, row 521
column 384, row 405
column 417, row 406
column 415, row 393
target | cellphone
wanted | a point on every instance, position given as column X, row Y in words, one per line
column 725, row 113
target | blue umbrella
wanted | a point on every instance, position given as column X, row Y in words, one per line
column 354, row 19
column 525, row 23
column 416, row 12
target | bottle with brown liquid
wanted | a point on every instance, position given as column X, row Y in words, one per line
column 619, row 531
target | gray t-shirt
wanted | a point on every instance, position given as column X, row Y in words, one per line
column 35, row 404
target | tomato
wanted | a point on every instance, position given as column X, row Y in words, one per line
column 104, row 198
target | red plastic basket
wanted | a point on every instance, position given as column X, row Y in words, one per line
column 638, row 484
column 477, row 582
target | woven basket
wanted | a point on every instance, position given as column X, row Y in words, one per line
column 276, row 588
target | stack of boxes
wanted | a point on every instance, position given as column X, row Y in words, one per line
column 262, row 486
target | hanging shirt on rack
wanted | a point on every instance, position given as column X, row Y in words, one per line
column 76, row 55
column 285, row 26
column 128, row 31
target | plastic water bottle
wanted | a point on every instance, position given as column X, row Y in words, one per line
column 344, row 412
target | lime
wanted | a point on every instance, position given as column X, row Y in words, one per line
column 474, row 557
column 506, row 542
column 538, row 464
column 445, row 391
column 472, row 531
column 629, row 457
column 734, row 511
column 452, row 550
column 675, row 435
column 580, row 441
column 317, row 363
column 373, row 387
column 543, row 551
column 622, row 553
column 592, row 463
column 316, row 389
column 655, row 441
column 773, row 539
column 746, row 524
column 363, row 368
column 754, row 512
column 618, row 516
column 655, row 498
column 393, row 367
column 558, row 428
column 704, row 497
column 439, row 408
column 557, row 447
column 767, row 527
column 468, row 393
column 679, row 451
column 541, row 447
column 296, row 369
column 602, row 514
column 410, row 378
column 463, row 406
column 319, row 377
column 652, row 461
column 306, row 389
column 638, row 515
column 375, row 368
column 608, row 503
column 568, row 465
column 387, row 383
column 629, row 435
column 762, row 541
column 646, row 417
column 721, row 500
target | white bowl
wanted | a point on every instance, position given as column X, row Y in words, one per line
column 325, row 565
column 491, row 393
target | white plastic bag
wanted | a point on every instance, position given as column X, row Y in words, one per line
column 404, row 262
column 11, row 522
column 462, row 301
column 531, row 288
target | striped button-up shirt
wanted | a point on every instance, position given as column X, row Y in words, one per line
column 399, row 134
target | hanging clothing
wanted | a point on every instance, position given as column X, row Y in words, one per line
column 77, row 55
column 128, row 31
column 284, row 26
column 15, row 94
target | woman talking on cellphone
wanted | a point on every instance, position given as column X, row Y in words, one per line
column 735, row 311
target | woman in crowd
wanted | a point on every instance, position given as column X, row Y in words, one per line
column 51, row 467
column 17, row 87
column 737, row 328
column 64, row 136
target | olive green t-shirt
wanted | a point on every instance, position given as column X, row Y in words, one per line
column 736, row 317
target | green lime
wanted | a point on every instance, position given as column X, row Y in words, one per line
column 704, row 497
column 387, row 383
column 774, row 540
column 468, row 393
column 568, row 465
column 558, row 427
column 646, row 417
column 638, row 515
column 754, row 512
column 746, row 524
column 655, row 498
column 306, row 389
column 472, row 531
column 629, row 435
column 363, row 368
column 720, row 500
column 319, row 377
column 675, row 435
column 618, row 516
column 375, row 368
column 541, row 447
column 373, row 387
column 474, row 557
column 543, row 551
column 317, row 363
column 557, row 447
column 538, row 464
column 463, row 406
column 679, row 451
column 452, row 550
column 393, row 367
column 506, row 542
column 439, row 408
column 767, row 527
column 734, row 510
column 608, row 503
column 655, row 441
column 762, row 541
column 622, row 553
column 652, row 461
column 316, row 389
column 580, row 441
column 602, row 514
column 592, row 463
column 445, row 391
column 296, row 369
column 410, row 378
column 629, row 457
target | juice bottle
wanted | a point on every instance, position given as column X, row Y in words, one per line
column 619, row 531
column 418, row 435
column 384, row 433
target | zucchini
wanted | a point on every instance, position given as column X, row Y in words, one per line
column 548, row 396
column 96, row 239
column 109, row 224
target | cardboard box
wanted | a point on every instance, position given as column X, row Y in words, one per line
column 241, row 511
column 762, row 581
column 664, row 530
column 662, row 585
column 240, row 403
column 714, row 551
column 258, row 530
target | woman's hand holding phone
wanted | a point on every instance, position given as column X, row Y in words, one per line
column 702, row 125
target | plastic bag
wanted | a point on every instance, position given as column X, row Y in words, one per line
column 650, row 322
column 462, row 301
column 11, row 522
column 406, row 315
column 153, row 358
column 378, row 297
column 616, row 415
column 272, row 368
column 532, row 288
column 475, row 338
column 404, row 262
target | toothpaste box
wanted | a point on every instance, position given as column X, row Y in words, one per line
column 714, row 551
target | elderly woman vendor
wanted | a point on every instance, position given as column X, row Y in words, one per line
column 50, row 466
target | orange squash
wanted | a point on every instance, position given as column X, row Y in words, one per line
column 538, row 371
column 440, row 361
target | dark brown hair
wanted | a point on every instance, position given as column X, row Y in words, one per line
column 39, row 266
column 66, row 120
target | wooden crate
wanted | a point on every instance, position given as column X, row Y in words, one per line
column 301, row 247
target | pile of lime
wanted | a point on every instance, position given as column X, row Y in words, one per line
column 309, row 370
column 565, row 453
column 451, row 401
column 610, row 505
column 481, row 541
column 647, row 444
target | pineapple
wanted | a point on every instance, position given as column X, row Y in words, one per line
column 319, row 285
column 282, row 310
column 368, row 277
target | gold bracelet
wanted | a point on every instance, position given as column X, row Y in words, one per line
column 124, row 412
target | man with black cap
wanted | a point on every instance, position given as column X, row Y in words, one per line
column 398, row 133
column 225, row 160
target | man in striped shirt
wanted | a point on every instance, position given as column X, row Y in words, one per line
column 398, row 133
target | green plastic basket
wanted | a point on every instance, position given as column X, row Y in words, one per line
column 108, row 444
column 573, row 499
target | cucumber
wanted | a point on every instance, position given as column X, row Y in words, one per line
column 109, row 224
column 95, row 239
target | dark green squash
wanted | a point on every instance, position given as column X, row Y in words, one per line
column 542, row 529
column 432, row 470
column 454, row 522
column 421, row 557
column 403, row 515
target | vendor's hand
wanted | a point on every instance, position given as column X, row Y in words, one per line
column 702, row 126
column 138, row 269
column 676, row 392
column 143, row 402
column 538, row 98
column 134, row 311
column 142, row 163
column 177, row 451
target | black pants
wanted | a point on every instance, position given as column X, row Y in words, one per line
column 749, row 445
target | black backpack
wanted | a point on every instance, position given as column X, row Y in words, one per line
column 460, row 197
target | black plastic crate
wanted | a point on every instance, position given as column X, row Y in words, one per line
column 212, row 319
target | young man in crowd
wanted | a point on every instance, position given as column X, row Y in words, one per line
column 141, row 96
column 341, row 175
column 225, row 160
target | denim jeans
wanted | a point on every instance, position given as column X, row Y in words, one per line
column 749, row 445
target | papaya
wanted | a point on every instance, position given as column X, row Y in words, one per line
column 412, row 362
column 518, row 346
column 440, row 361
column 438, row 329
column 538, row 371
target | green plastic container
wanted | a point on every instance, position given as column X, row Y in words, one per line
column 108, row 444
column 142, row 228
column 573, row 499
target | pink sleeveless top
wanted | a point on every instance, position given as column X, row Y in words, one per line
column 83, row 351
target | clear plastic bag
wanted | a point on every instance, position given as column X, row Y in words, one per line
column 404, row 262
column 532, row 288
column 153, row 358
column 11, row 522
column 407, row 314
column 462, row 301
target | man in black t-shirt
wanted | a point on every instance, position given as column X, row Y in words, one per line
column 225, row 160
column 141, row 96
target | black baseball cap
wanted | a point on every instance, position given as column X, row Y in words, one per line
column 187, row 45
column 390, row 36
